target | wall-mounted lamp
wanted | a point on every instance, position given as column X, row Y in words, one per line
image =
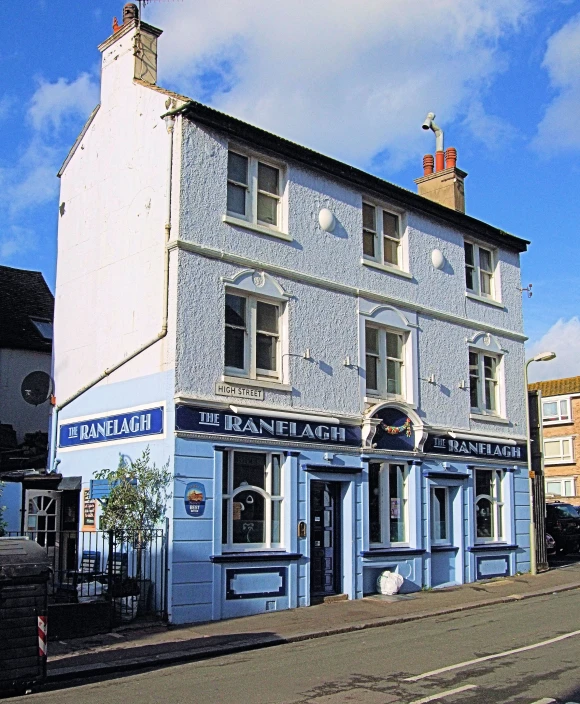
column 437, row 259
column 348, row 361
column 462, row 384
column 307, row 354
column 326, row 220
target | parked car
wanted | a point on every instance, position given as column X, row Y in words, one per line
column 563, row 524
column 550, row 545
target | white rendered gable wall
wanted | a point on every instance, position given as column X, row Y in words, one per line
column 111, row 235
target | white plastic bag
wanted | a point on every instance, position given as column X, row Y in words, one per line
column 389, row 582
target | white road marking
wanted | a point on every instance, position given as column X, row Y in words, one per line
column 545, row 700
column 467, row 663
column 433, row 697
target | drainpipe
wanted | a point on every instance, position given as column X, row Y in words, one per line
column 170, row 125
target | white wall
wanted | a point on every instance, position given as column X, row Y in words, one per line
column 111, row 235
column 14, row 367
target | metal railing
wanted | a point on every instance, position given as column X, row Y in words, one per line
column 128, row 569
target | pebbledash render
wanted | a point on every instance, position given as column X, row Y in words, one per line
column 332, row 365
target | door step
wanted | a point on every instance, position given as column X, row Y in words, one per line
column 334, row 597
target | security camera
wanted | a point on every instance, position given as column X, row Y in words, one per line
column 428, row 121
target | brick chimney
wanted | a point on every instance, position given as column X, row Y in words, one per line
column 442, row 181
column 130, row 52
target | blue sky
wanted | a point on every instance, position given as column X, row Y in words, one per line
column 350, row 79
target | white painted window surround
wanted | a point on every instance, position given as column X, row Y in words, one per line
column 388, row 504
column 255, row 193
column 387, row 324
column 559, row 450
column 489, row 502
column 556, row 410
column 486, row 376
column 561, row 486
column 255, row 328
column 384, row 242
column 252, row 501
column 480, row 270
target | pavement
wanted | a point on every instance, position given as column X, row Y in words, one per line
column 147, row 646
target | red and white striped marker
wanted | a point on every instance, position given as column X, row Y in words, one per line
column 42, row 630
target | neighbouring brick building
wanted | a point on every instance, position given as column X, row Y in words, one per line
column 561, row 429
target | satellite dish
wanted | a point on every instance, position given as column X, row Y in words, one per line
column 37, row 388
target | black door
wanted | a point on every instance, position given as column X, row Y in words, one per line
column 325, row 572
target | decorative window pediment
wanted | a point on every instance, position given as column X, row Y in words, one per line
column 485, row 342
column 389, row 317
column 258, row 283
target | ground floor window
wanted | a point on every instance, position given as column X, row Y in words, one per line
column 489, row 504
column 388, row 499
column 252, row 500
column 440, row 533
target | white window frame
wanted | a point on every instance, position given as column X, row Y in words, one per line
column 561, row 416
column 382, row 357
column 252, row 190
column 251, row 371
column 228, row 499
column 379, row 237
column 571, row 481
column 479, row 272
column 563, row 457
column 434, row 540
column 385, row 505
column 481, row 382
column 497, row 499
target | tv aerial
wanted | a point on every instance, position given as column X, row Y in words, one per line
column 37, row 388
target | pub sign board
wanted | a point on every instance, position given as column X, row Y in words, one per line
column 122, row 426
column 217, row 422
column 443, row 445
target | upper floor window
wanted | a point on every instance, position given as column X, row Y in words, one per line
column 384, row 351
column 254, row 190
column 556, row 410
column 388, row 503
column 252, row 500
column 479, row 270
column 381, row 235
column 484, row 382
column 252, row 337
column 489, row 504
column 558, row 450
column 560, row 486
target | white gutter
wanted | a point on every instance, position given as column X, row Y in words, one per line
column 170, row 124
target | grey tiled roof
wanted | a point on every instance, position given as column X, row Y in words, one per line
column 24, row 295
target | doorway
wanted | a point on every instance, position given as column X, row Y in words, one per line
column 325, row 540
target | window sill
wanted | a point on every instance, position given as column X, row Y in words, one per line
column 391, row 552
column 489, row 418
column 548, row 423
column 258, row 556
column 482, row 547
column 444, row 548
column 261, row 383
column 261, row 229
column 385, row 267
column 557, row 463
column 483, row 299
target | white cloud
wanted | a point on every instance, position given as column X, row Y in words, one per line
column 16, row 241
column 558, row 130
column 55, row 115
column 563, row 338
column 52, row 103
column 350, row 79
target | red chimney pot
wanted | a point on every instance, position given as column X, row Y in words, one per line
column 450, row 158
column 428, row 164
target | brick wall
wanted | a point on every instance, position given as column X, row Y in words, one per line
column 567, row 470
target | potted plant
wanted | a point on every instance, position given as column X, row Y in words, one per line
column 136, row 504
